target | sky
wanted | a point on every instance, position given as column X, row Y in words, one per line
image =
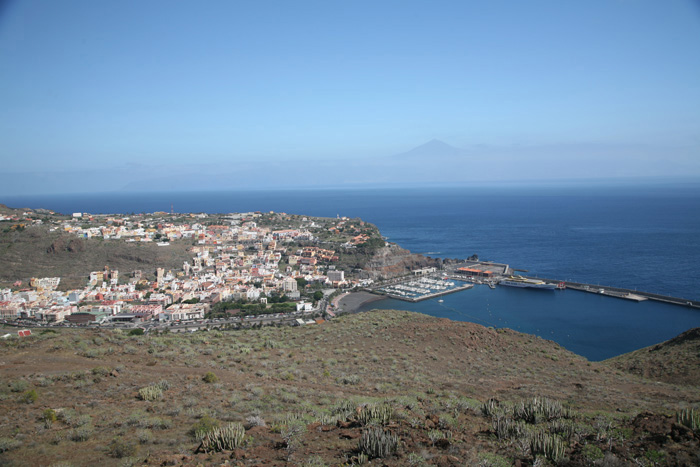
column 114, row 95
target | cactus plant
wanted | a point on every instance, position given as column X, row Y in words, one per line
column 540, row 409
column 375, row 414
column 689, row 418
column 506, row 427
column 227, row 438
column 375, row 442
column 552, row 447
column 489, row 408
column 150, row 393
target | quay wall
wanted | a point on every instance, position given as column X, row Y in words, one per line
column 652, row 296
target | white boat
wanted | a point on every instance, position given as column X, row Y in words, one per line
column 520, row 281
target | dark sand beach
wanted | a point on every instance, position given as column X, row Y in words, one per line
column 351, row 302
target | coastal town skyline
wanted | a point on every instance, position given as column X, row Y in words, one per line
column 131, row 96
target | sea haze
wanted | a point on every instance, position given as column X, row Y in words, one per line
column 645, row 237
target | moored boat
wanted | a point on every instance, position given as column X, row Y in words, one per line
column 520, row 281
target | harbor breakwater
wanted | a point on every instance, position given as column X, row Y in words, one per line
column 619, row 292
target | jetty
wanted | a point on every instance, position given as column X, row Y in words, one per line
column 619, row 292
column 484, row 272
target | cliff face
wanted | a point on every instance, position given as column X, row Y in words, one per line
column 394, row 261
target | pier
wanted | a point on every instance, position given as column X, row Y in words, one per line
column 470, row 273
column 491, row 273
column 619, row 292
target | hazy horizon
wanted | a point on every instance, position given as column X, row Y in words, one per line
column 159, row 95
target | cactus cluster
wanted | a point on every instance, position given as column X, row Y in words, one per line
column 689, row 418
column 376, row 442
column 564, row 428
column 225, row 438
column 506, row 427
column 489, row 408
column 375, row 414
column 551, row 446
column 150, row 393
column 540, row 409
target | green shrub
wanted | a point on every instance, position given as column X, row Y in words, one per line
column 7, row 444
column 29, row 397
column 101, row 371
column 82, row 433
column 488, row 459
column 120, row 448
column 136, row 332
column 49, row 416
column 163, row 384
column 210, row 377
column 205, row 425
column 19, row 385
column 144, row 436
column 592, row 453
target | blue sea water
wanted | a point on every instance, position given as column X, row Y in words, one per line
column 645, row 237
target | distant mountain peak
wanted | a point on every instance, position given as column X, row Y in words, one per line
column 436, row 143
column 432, row 149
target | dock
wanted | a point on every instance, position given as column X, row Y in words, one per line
column 424, row 288
column 428, row 296
column 635, row 295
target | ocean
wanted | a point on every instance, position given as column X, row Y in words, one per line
column 644, row 237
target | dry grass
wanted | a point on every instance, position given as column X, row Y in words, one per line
column 300, row 392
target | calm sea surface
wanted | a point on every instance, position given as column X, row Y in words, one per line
column 645, row 237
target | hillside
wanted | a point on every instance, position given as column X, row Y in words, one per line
column 676, row 361
column 428, row 391
column 37, row 252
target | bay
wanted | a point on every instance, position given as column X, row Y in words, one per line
column 644, row 237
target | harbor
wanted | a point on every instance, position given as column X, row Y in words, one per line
column 465, row 275
column 423, row 288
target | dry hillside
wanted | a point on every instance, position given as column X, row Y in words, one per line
column 675, row 361
column 379, row 388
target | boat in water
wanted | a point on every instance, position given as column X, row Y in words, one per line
column 520, row 281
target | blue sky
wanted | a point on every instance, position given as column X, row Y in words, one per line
column 269, row 93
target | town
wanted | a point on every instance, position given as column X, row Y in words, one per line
column 285, row 267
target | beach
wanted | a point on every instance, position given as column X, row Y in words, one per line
column 350, row 303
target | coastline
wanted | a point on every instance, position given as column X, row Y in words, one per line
column 352, row 302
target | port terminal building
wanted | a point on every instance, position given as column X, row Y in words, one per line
column 483, row 269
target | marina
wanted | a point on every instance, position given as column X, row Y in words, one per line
column 423, row 288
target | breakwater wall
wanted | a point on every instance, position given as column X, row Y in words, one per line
column 594, row 288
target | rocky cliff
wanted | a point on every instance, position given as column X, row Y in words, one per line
column 392, row 260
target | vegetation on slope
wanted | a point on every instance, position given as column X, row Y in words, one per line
column 676, row 361
column 390, row 387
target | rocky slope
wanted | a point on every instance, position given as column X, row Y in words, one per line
column 676, row 361
column 394, row 261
